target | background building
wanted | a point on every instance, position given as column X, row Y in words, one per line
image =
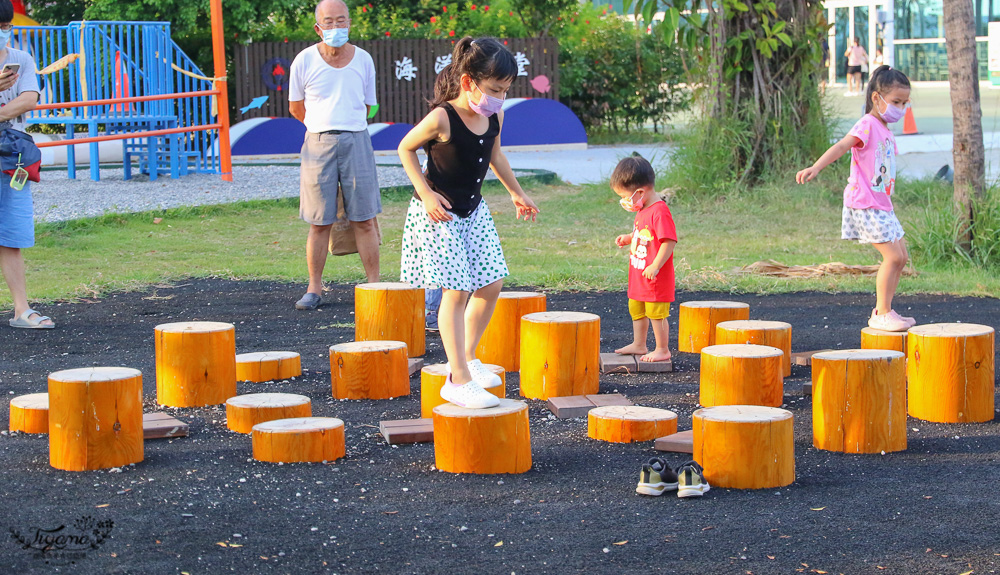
column 912, row 38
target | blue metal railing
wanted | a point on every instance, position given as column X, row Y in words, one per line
column 122, row 59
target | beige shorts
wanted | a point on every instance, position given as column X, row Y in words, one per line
column 330, row 160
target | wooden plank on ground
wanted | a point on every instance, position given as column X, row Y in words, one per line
column 617, row 363
column 805, row 357
column 158, row 425
column 606, row 399
column 655, row 366
column 579, row 405
column 415, row 365
column 407, row 430
column 570, row 406
column 680, row 442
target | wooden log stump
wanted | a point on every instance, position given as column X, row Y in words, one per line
column 625, row 424
column 560, row 354
column 369, row 370
column 494, row 440
column 697, row 321
column 741, row 375
column 771, row 333
column 501, row 342
column 95, row 418
column 245, row 411
column 949, row 371
column 299, row 440
column 432, row 378
column 30, row 413
column 877, row 339
column 859, row 401
column 390, row 311
column 262, row 366
column 195, row 363
column 744, row 446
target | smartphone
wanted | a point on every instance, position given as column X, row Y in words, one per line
column 12, row 68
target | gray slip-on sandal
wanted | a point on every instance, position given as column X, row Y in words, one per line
column 309, row 301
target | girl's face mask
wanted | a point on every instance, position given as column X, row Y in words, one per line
column 487, row 105
column 891, row 114
column 628, row 205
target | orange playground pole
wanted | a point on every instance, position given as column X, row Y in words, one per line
column 219, row 55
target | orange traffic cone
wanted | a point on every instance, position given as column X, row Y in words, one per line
column 909, row 123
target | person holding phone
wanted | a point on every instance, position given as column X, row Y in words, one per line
column 18, row 96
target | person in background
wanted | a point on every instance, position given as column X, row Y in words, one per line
column 332, row 90
column 856, row 56
column 18, row 95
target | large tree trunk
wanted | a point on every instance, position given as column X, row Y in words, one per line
column 963, row 73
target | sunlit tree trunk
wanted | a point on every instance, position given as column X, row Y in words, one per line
column 963, row 74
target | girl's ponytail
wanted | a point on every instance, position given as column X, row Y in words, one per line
column 883, row 79
column 481, row 58
column 449, row 82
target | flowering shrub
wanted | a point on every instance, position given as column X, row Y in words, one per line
column 613, row 75
column 427, row 20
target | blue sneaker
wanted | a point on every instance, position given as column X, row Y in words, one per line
column 432, row 321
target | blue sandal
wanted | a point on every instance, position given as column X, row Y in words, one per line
column 25, row 321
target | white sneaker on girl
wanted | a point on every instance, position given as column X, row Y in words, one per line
column 469, row 395
column 483, row 376
column 910, row 322
column 886, row 322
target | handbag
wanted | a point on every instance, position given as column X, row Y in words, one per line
column 342, row 240
column 18, row 149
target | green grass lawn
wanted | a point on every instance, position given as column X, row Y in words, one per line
column 571, row 247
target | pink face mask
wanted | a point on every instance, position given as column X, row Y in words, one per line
column 487, row 105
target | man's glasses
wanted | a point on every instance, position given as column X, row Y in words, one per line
column 332, row 25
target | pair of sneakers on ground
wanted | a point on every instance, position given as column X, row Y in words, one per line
column 473, row 394
column 891, row 321
column 656, row 478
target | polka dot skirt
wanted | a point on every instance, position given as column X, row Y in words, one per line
column 463, row 254
column 870, row 226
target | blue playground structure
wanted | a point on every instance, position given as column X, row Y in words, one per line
column 96, row 61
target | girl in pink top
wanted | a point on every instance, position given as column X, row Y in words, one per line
column 868, row 215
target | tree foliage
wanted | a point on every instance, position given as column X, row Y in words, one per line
column 758, row 62
column 540, row 15
column 189, row 19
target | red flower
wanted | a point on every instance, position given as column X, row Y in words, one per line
column 364, row 9
column 437, row 30
column 444, row 8
column 472, row 7
column 588, row 21
column 433, row 19
column 486, row 8
column 415, row 25
column 370, row 6
column 451, row 32
column 388, row 33
column 512, row 13
column 604, row 12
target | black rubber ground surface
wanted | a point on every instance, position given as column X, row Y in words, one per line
column 200, row 504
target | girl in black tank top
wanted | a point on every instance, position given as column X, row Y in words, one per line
column 449, row 239
column 457, row 167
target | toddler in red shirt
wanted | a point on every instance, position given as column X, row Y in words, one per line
column 651, row 261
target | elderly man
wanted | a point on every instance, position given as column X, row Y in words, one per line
column 331, row 90
column 18, row 96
